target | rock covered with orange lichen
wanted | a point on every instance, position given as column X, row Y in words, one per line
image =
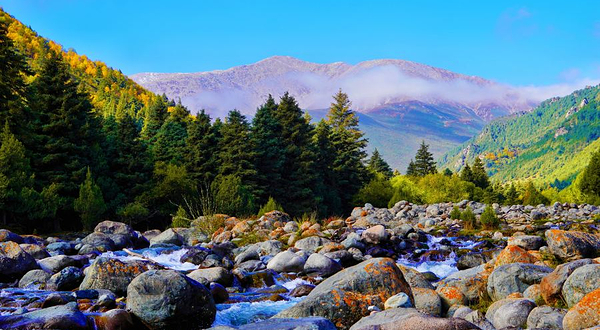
column 14, row 262
column 585, row 314
column 345, row 297
column 551, row 285
column 112, row 274
column 573, row 245
column 512, row 254
column 516, row 277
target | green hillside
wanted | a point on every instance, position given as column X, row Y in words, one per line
column 551, row 144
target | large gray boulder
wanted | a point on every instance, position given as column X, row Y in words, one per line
column 34, row 279
column 166, row 299
column 510, row 313
column 573, row 245
column 286, row 261
column 321, row 265
column 35, row 250
column 546, row 317
column 57, row 263
column 14, row 262
column 167, row 237
column 68, row 278
column 311, row 244
column 345, row 297
column 469, row 281
column 57, row 317
column 527, row 242
column 551, row 285
column 409, row 318
column 515, row 277
column 99, row 241
column 582, row 281
column 215, row 274
column 305, row 323
column 112, row 274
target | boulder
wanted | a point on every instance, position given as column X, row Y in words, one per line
column 427, row 301
column 450, row 296
column 14, row 262
column 58, row 317
column 527, row 242
column 534, row 293
column 515, row 277
column 573, row 245
column 9, row 236
column 35, row 250
column 57, row 263
column 321, row 265
column 250, row 253
column 471, row 260
column 345, row 297
column 286, row 261
column 546, row 317
column 471, row 282
column 168, row 236
column 218, row 292
column 195, row 255
column 115, row 319
column 166, row 299
column 311, row 244
column 68, row 278
column 512, row 254
column 585, row 314
column 375, row 235
column 99, row 241
column 400, row 300
column 551, row 285
column 409, row 318
column 215, row 274
column 35, row 278
column 414, row 278
column 582, row 281
column 112, row 274
column 57, row 248
column 511, row 312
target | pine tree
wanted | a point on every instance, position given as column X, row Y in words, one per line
column 532, row 196
column 411, row 170
column 327, row 189
column 590, row 179
column 298, row 174
column 90, row 203
column 66, row 130
column 349, row 149
column 14, row 173
column 466, row 174
column 170, row 140
column 155, row 115
column 270, row 156
column 377, row 164
column 424, row 163
column 447, row 172
column 13, row 91
column 512, row 196
column 480, row 177
column 201, row 159
column 236, row 151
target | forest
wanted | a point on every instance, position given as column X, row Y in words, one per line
column 81, row 143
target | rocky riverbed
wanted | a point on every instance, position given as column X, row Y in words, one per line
column 401, row 268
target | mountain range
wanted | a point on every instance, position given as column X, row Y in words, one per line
column 399, row 102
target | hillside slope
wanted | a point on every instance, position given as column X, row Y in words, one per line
column 551, row 144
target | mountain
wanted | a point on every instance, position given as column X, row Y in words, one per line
column 402, row 102
column 550, row 144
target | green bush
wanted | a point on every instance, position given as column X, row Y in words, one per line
column 404, row 189
column 180, row 219
column 455, row 213
column 133, row 213
column 468, row 218
column 271, row 205
column 378, row 192
column 231, row 196
column 489, row 219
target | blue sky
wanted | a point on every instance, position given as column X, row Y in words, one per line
column 516, row 42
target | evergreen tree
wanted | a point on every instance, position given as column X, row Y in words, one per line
column 512, row 196
column 590, row 179
column 298, row 174
column 377, row 164
column 13, row 68
column 236, row 151
column 326, row 189
column 532, row 196
column 155, row 115
column 270, row 156
column 200, row 157
column 466, row 174
column 411, row 170
column 447, row 172
column 66, row 130
column 14, row 174
column 424, row 163
column 90, row 203
column 480, row 177
column 348, row 144
column 170, row 140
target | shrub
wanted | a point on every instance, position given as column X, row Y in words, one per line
column 133, row 213
column 231, row 196
column 271, row 205
column 404, row 189
column 489, row 219
column 180, row 219
column 378, row 192
column 455, row 213
column 468, row 218
column 208, row 224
